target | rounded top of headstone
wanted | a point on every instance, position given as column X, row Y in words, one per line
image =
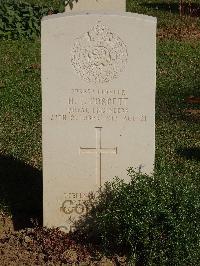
column 99, row 55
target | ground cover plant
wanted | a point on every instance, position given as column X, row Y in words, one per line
column 158, row 220
column 153, row 220
column 21, row 19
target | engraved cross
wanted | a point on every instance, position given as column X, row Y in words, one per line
column 98, row 150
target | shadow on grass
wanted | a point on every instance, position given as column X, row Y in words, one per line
column 192, row 9
column 21, row 191
column 190, row 153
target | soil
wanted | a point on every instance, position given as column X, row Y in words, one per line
column 42, row 246
column 191, row 33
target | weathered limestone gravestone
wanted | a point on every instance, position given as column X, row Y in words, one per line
column 97, row 5
column 98, row 93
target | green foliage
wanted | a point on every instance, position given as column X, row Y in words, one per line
column 19, row 19
column 154, row 220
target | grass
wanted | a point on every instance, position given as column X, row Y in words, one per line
column 177, row 78
column 177, row 134
column 21, row 100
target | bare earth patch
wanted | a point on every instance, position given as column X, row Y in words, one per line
column 42, row 246
column 191, row 32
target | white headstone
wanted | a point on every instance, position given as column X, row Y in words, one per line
column 98, row 93
column 97, row 5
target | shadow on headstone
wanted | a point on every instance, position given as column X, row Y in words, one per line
column 21, row 191
column 190, row 153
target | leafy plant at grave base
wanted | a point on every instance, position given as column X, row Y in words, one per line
column 19, row 19
column 153, row 220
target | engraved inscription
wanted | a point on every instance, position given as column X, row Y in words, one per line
column 99, row 55
column 76, row 116
column 74, row 205
column 98, row 105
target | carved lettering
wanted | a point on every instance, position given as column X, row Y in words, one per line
column 100, row 115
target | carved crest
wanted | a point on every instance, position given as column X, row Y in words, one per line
column 99, row 55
